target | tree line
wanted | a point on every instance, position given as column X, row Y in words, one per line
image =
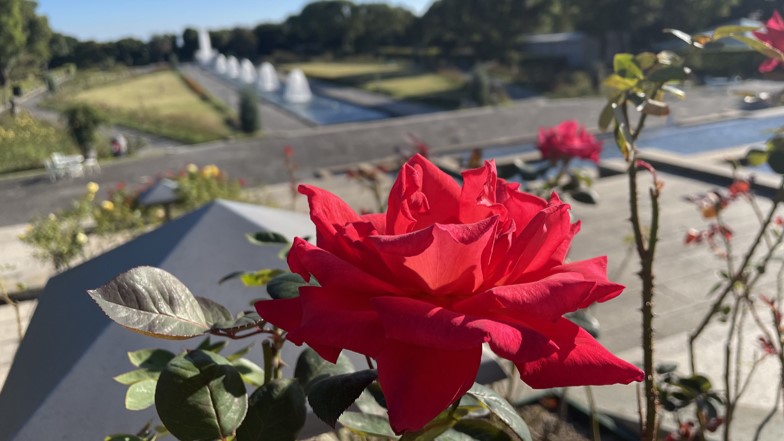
column 485, row 30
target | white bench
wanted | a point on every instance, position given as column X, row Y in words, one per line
column 61, row 166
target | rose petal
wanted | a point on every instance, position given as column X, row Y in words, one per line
column 579, row 360
column 329, row 270
column 535, row 248
column 410, row 208
column 441, row 259
column 595, row 270
column 378, row 220
column 286, row 314
column 478, row 196
column 424, row 324
column 337, row 319
column 548, row 298
column 328, row 212
column 419, row 383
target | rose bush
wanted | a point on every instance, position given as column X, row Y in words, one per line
column 568, row 140
column 774, row 37
column 444, row 270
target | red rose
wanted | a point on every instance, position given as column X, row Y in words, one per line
column 422, row 287
column 568, row 140
column 774, row 37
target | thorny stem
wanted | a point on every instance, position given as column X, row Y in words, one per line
column 758, row 212
column 727, row 360
column 735, row 277
column 780, row 352
column 646, row 255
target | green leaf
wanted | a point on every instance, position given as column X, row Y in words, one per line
column 684, row 36
column 763, row 48
column 152, row 302
column 624, row 66
column 217, row 347
column 260, row 277
column 247, row 320
column 141, row 395
column 776, row 154
column 277, row 412
column 200, row 395
column 654, row 107
column 670, row 73
column 331, row 396
column 619, row 84
column 481, row 430
column 213, row 311
column 137, row 375
column 251, row 372
column 239, row 354
column 645, row 60
column 756, row 157
column 311, row 368
column 364, row 424
column 502, row 409
column 607, row 115
column 154, row 359
column 666, row 368
column 285, row 286
column 585, row 320
column 266, row 238
column 728, row 31
column 232, row 275
column 585, row 195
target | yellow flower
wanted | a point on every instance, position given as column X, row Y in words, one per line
column 107, row 205
column 81, row 238
column 192, row 168
column 159, row 213
column 210, row 171
column 92, row 188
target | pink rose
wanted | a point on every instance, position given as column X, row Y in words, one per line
column 568, row 140
column 773, row 36
column 444, row 270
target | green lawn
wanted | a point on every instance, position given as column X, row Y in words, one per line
column 158, row 103
column 415, row 86
column 338, row 70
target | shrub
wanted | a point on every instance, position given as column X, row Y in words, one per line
column 82, row 122
column 480, row 87
column 249, row 112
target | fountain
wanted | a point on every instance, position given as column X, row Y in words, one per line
column 268, row 78
column 232, row 67
column 247, row 71
column 220, row 64
column 297, row 88
column 206, row 53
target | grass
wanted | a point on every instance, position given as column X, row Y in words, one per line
column 337, row 70
column 414, row 86
column 158, row 102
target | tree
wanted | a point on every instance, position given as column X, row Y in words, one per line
column 12, row 37
column 242, row 43
column 271, row 37
column 190, row 44
column 378, row 24
column 161, row 47
column 249, row 111
column 82, row 122
column 37, row 49
column 324, row 26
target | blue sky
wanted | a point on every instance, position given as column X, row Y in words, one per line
column 105, row 20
